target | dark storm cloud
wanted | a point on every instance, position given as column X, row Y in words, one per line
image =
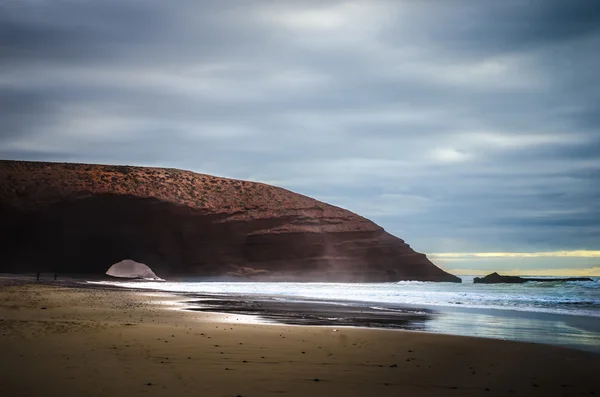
column 472, row 29
column 543, row 22
column 458, row 125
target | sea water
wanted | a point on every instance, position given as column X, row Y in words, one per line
column 560, row 313
column 571, row 297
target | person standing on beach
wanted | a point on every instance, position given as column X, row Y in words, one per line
column 37, row 276
column 55, row 276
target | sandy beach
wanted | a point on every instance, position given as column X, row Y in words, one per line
column 60, row 340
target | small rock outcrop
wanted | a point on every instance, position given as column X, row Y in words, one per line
column 495, row 278
column 81, row 218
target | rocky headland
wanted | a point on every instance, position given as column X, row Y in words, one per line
column 82, row 218
column 495, row 278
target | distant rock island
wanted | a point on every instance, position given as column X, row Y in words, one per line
column 495, row 278
column 82, row 218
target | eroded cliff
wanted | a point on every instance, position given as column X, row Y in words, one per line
column 80, row 218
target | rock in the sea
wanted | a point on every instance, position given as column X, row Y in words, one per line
column 78, row 218
column 495, row 278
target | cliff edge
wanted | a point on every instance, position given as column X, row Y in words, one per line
column 81, row 218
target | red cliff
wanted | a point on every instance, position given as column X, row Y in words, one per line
column 79, row 218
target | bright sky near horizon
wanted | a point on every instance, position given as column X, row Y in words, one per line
column 471, row 129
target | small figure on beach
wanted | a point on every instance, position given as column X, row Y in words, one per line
column 37, row 276
column 55, row 276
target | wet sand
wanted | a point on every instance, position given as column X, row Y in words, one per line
column 571, row 331
column 60, row 340
column 315, row 312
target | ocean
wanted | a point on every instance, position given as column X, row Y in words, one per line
column 559, row 313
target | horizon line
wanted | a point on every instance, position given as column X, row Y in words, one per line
column 541, row 254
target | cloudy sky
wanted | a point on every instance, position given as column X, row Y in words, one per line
column 471, row 129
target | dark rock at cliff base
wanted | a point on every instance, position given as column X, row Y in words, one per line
column 495, row 278
column 79, row 218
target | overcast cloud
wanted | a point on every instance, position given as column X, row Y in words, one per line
column 460, row 126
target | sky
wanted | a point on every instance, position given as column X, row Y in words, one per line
column 471, row 129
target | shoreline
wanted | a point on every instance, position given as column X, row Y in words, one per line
column 564, row 330
column 576, row 332
column 557, row 329
column 71, row 341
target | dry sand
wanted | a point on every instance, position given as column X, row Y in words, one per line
column 65, row 341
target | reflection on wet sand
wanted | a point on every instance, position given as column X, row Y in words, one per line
column 562, row 330
column 320, row 313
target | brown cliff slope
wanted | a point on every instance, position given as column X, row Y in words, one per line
column 79, row 218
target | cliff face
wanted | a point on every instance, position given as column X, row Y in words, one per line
column 78, row 218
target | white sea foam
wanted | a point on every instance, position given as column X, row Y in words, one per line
column 575, row 298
